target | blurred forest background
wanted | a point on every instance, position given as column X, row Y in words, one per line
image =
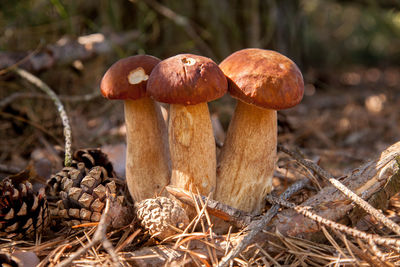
column 348, row 51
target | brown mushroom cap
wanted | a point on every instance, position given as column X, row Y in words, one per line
column 127, row 78
column 263, row 78
column 187, row 80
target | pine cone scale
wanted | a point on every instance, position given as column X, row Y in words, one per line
column 24, row 212
column 81, row 188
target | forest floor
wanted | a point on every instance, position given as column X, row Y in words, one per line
column 346, row 118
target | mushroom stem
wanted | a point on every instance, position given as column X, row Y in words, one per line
column 192, row 148
column 147, row 157
column 247, row 159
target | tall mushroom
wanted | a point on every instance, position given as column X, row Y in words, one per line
column 147, row 158
column 263, row 81
column 188, row 82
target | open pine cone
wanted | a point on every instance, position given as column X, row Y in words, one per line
column 80, row 190
column 23, row 213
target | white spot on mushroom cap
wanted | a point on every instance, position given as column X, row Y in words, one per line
column 282, row 66
column 188, row 61
column 137, row 76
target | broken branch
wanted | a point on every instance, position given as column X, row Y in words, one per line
column 346, row 191
column 60, row 108
column 336, row 226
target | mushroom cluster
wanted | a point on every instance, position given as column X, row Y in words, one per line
column 181, row 151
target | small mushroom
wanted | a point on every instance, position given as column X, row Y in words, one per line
column 188, row 82
column 263, row 81
column 147, row 158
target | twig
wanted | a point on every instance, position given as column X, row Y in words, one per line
column 81, row 98
column 66, row 51
column 111, row 251
column 256, row 226
column 361, row 254
column 373, row 260
column 64, row 118
column 268, row 256
column 347, row 245
column 337, row 226
column 76, row 98
column 34, row 124
column 23, row 60
column 238, row 217
column 9, row 169
column 98, row 237
column 347, row 192
column 183, row 22
column 6, row 101
column 374, row 248
column 203, row 205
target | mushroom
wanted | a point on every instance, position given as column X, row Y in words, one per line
column 187, row 82
column 147, row 158
column 263, row 81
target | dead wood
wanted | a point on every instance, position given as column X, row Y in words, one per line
column 65, row 51
column 371, row 181
column 374, row 238
column 345, row 190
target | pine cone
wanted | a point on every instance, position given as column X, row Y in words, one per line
column 9, row 260
column 24, row 213
column 80, row 189
column 157, row 215
column 83, row 160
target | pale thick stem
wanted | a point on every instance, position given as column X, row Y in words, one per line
column 147, row 157
column 247, row 159
column 192, row 148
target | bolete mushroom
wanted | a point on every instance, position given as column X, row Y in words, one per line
column 147, row 158
column 187, row 82
column 263, row 81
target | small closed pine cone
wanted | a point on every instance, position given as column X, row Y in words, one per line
column 80, row 190
column 161, row 216
column 24, row 213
